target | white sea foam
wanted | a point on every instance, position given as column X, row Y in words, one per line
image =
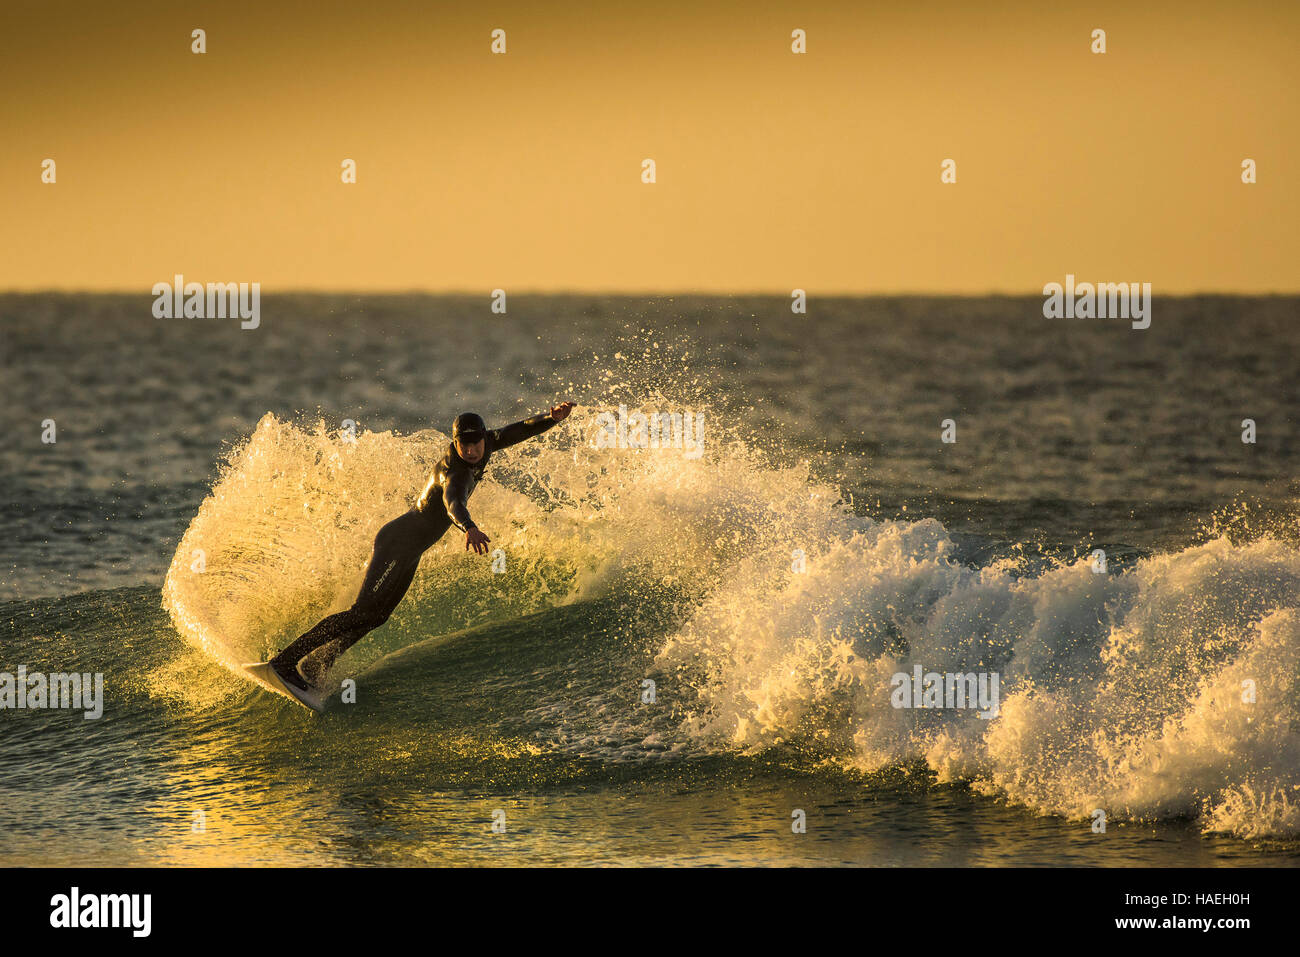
column 1121, row 692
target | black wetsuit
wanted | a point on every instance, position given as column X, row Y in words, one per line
column 398, row 548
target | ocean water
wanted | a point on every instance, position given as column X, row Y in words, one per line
column 206, row 500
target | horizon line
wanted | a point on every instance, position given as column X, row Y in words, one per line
column 635, row 293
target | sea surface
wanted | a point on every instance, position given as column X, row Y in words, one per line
column 679, row 655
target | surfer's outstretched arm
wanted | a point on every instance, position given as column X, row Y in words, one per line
column 516, row 432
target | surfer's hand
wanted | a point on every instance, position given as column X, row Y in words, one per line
column 561, row 411
column 476, row 540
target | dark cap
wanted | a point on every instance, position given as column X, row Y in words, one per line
column 469, row 427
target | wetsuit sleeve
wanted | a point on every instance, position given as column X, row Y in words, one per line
column 455, row 497
column 509, row 435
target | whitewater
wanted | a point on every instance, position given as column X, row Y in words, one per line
column 1163, row 690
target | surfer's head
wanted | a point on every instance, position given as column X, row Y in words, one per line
column 469, row 433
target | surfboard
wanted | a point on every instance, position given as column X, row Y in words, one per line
column 264, row 675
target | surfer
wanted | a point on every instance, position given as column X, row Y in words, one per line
column 401, row 542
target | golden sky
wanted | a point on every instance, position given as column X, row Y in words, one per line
column 775, row 170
